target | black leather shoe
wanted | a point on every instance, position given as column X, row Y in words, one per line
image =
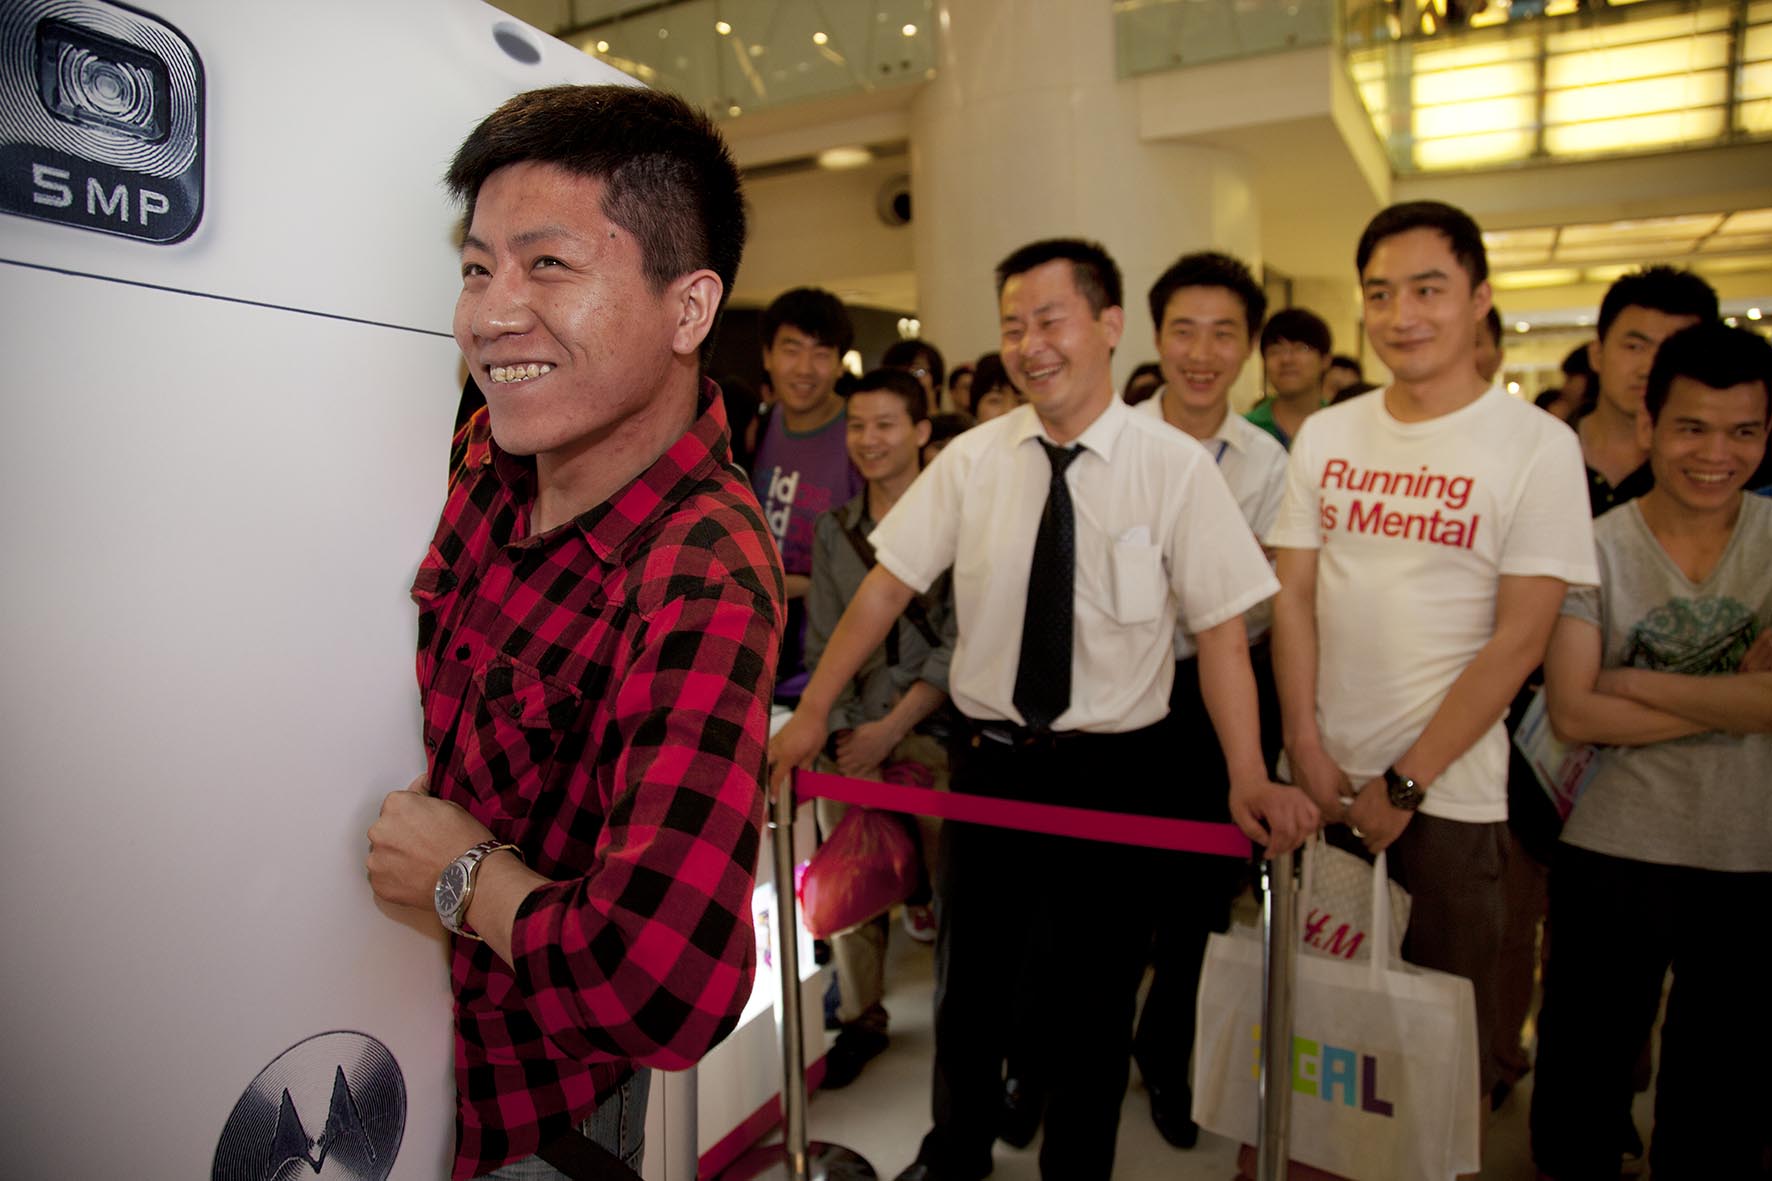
column 854, row 1048
column 1171, row 1111
column 1020, row 1115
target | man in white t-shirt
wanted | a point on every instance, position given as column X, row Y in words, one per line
column 1428, row 534
column 1207, row 310
column 1079, row 533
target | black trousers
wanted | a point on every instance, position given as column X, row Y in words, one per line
column 1621, row 924
column 1197, row 889
column 1069, row 918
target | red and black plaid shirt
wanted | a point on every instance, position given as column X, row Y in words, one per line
column 599, row 697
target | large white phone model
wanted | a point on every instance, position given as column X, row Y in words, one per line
column 228, row 268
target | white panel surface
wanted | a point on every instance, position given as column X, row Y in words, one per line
column 224, row 459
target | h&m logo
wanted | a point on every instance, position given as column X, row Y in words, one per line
column 1343, row 942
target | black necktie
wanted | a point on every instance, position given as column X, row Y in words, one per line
column 1043, row 679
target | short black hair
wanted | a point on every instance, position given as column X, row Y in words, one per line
column 904, row 354
column 668, row 177
column 943, row 427
column 1449, row 220
column 1492, row 321
column 988, row 374
column 1353, row 391
column 1147, row 369
column 1713, row 354
column 814, row 311
column 891, row 380
column 1298, row 326
column 1343, row 361
column 1094, row 272
column 1669, row 290
column 1578, row 363
column 1209, row 268
column 961, row 370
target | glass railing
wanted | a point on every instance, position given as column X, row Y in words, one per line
column 736, row 56
column 1153, row 35
column 1462, row 84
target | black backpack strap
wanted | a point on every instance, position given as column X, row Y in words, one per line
column 916, row 613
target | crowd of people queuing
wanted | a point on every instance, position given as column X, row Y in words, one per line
column 1313, row 616
column 1327, row 613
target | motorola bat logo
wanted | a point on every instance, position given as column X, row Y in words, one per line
column 333, row 1106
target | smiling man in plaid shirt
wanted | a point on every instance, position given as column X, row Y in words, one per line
column 599, row 615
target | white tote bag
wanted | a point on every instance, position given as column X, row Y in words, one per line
column 1384, row 1074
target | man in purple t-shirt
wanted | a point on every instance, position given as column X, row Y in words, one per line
column 802, row 467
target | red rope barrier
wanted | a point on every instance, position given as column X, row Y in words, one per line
column 1152, row 832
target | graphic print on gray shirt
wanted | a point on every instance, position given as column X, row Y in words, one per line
column 1703, row 801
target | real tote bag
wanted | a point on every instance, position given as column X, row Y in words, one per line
column 1384, row 1074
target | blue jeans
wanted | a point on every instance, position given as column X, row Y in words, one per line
column 618, row 1124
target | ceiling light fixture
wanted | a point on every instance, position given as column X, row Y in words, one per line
column 848, row 156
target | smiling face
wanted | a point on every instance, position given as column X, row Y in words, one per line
column 1421, row 311
column 1202, row 344
column 802, row 371
column 1706, row 443
column 556, row 319
column 1622, row 359
column 884, row 443
column 1057, row 351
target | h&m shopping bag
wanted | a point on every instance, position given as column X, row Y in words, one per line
column 1384, row 1081
column 1335, row 904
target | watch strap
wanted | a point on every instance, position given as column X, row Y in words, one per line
column 1403, row 792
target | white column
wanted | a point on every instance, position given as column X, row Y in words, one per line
column 1026, row 133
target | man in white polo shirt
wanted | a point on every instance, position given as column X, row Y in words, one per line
column 1079, row 533
column 1428, row 533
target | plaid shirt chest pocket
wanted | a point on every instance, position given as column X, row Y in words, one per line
column 517, row 729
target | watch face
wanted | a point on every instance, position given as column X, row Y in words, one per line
column 450, row 888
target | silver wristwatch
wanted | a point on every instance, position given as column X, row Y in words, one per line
column 455, row 887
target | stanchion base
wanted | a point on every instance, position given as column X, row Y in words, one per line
column 824, row 1162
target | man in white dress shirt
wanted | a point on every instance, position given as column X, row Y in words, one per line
column 1207, row 310
column 1079, row 533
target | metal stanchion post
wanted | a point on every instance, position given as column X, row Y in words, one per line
column 1279, row 954
column 794, row 1159
column 679, row 1156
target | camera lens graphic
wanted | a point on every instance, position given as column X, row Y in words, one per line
column 102, row 83
column 111, row 90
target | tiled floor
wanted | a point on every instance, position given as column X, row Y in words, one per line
column 884, row 1114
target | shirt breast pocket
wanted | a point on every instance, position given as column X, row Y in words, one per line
column 514, row 732
column 1136, row 582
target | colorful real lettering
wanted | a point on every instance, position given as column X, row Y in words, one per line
column 1334, row 1074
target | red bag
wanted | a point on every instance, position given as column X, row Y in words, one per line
column 863, row 868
